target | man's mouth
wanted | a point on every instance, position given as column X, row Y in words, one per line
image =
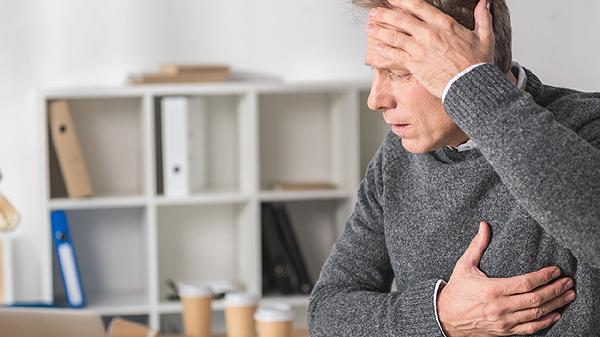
column 399, row 127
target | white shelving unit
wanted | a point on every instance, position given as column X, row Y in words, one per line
column 130, row 238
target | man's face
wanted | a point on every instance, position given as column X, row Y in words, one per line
column 414, row 114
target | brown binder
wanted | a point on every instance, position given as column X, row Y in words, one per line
column 68, row 151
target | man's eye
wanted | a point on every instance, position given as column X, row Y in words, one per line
column 400, row 77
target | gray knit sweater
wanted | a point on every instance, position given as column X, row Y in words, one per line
column 534, row 176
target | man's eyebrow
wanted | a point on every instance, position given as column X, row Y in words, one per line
column 402, row 70
column 374, row 67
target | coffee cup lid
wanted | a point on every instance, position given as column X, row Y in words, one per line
column 276, row 312
column 240, row 300
column 193, row 290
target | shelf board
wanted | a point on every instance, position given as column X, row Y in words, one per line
column 119, row 304
column 174, row 307
column 277, row 195
column 225, row 88
column 208, row 198
column 293, row 300
column 97, row 202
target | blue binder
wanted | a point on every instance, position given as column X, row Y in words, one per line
column 67, row 260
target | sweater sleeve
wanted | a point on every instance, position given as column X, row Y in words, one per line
column 352, row 296
column 552, row 171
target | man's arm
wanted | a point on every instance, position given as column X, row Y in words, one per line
column 550, row 169
column 352, row 296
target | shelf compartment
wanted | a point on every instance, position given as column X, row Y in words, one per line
column 110, row 246
column 110, row 136
column 307, row 138
column 204, row 243
column 315, row 225
column 213, row 136
column 119, row 303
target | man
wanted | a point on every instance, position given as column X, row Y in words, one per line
column 473, row 138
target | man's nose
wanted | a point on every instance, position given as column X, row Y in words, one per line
column 380, row 97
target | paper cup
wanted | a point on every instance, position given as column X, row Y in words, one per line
column 239, row 314
column 274, row 320
column 197, row 312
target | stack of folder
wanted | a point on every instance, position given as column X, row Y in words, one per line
column 183, row 73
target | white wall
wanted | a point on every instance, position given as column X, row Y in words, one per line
column 52, row 43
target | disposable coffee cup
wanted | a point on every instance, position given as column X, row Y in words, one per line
column 197, row 312
column 274, row 320
column 239, row 314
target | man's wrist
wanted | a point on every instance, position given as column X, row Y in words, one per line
column 456, row 77
column 438, row 287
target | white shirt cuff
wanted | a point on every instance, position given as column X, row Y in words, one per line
column 455, row 78
column 435, row 295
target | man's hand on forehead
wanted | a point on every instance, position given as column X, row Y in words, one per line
column 430, row 44
column 374, row 59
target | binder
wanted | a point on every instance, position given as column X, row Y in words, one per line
column 277, row 269
column 67, row 260
column 183, row 130
column 304, row 284
column 68, row 151
column 175, row 146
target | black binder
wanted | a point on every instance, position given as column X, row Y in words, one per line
column 276, row 266
column 304, row 285
column 284, row 269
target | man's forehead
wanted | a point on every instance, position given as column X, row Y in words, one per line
column 375, row 60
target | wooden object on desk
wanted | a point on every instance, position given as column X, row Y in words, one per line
column 68, row 151
column 179, row 69
column 152, row 78
column 122, row 328
column 178, row 73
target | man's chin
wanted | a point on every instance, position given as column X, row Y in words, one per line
column 415, row 146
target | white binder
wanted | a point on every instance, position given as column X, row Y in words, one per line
column 184, row 137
